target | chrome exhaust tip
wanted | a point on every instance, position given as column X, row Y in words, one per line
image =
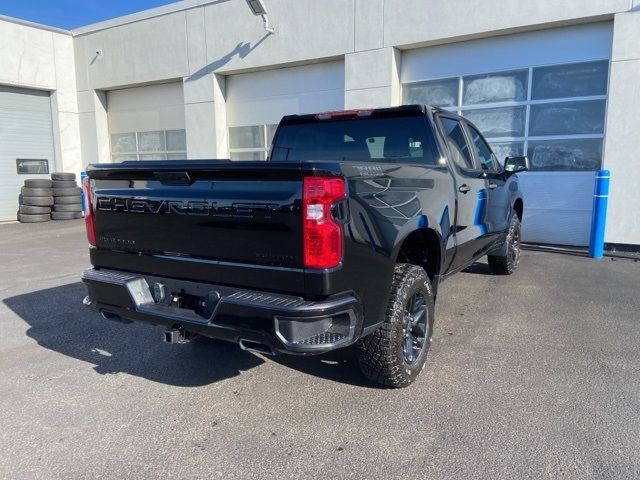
column 256, row 347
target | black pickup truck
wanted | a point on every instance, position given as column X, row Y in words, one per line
column 342, row 237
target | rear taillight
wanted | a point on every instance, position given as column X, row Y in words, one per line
column 321, row 234
column 88, row 214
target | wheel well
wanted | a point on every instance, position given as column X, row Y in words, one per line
column 518, row 206
column 422, row 247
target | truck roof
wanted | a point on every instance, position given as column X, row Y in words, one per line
column 400, row 111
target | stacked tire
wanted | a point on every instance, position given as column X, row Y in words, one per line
column 36, row 200
column 67, row 200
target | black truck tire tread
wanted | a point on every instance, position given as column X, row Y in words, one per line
column 72, row 207
column 37, row 201
column 65, row 215
column 63, row 176
column 381, row 351
column 37, row 183
column 66, row 192
column 64, row 184
column 35, row 192
column 32, row 210
column 34, row 218
column 69, row 199
column 506, row 264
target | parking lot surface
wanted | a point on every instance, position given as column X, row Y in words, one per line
column 531, row 376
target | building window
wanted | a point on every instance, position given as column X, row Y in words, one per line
column 251, row 143
column 555, row 114
column 157, row 145
column 32, row 167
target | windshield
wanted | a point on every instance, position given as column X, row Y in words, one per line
column 391, row 139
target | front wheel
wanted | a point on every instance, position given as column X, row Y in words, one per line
column 508, row 263
column 396, row 353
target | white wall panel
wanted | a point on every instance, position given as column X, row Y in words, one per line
column 153, row 107
column 265, row 97
column 543, row 47
column 414, row 22
column 623, row 142
column 149, row 51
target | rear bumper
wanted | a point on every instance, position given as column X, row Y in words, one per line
column 283, row 323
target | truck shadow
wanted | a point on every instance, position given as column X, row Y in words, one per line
column 58, row 321
column 478, row 268
column 339, row 365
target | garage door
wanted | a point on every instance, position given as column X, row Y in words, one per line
column 257, row 101
column 26, row 143
column 542, row 94
column 147, row 123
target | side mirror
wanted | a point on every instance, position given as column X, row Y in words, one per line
column 516, row 164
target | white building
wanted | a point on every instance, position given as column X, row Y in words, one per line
column 557, row 79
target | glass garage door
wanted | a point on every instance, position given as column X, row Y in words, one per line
column 553, row 113
column 257, row 101
column 147, row 123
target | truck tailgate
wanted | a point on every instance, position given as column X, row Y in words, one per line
column 246, row 212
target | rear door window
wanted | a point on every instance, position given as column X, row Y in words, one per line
column 457, row 142
column 483, row 151
column 385, row 139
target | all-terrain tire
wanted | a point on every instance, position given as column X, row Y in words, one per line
column 68, row 200
column 382, row 357
column 30, row 210
column 37, row 201
column 37, row 183
column 35, row 192
column 34, row 218
column 64, row 184
column 66, row 192
column 65, row 215
column 73, row 207
column 63, row 176
column 508, row 263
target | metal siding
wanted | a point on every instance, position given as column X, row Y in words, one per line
column 264, row 97
column 25, row 132
column 145, row 109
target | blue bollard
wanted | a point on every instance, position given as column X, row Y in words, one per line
column 599, row 219
column 83, row 174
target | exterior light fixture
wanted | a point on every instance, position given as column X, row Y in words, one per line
column 259, row 10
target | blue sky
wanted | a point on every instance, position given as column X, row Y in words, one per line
column 69, row 14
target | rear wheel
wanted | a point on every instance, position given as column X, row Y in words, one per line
column 508, row 263
column 396, row 353
column 65, row 215
column 63, row 184
column 37, row 183
column 72, row 207
column 66, row 192
column 71, row 199
column 36, row 218
column 36, row 192
column 37, row 201
column 31, row 210
column 64, row 176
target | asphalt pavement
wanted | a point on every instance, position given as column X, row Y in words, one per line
column 535, row 376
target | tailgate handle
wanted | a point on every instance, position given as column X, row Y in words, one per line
column 173, row 178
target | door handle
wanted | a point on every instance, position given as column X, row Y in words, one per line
column 493, row 185
column 464, row 188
